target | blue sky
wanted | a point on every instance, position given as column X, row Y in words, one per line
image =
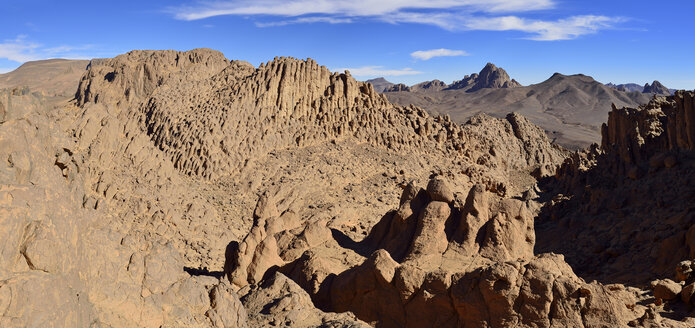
column 404, row 40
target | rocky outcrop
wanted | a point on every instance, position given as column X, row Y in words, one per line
column 211, row 125
column 434, row 85
column 631, row 196
column 279, row 301
column 64, row 261
column 656, row 88
column 665, row 124
column 397, row 88
column 490, row 76
column 128, row 79
column 443, row 260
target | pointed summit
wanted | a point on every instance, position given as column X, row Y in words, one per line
column 490, row 76
column 657, row 88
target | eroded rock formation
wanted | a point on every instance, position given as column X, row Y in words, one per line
column 446, row 259
column 628, row 203
column 133, row 205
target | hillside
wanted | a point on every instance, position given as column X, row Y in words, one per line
column 379, row 84
column 54, row 77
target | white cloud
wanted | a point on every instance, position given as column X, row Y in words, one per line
column 352, row 8
column 429, row 54
column 540, row 30
column 18, row 50
column 307, row 20
column 378, row 71
column 453, row 15
column 563, row 29
column 5, row 70
column 21, row 50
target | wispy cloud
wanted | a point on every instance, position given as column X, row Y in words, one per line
column 429, row 54
column 20, row 50
column 306, row 20
column 453, row 15
column 378, row 71
column 562, row 29
column 352, row 8
column 539, row 30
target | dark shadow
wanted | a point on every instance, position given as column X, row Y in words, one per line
column 203, row 272
column 617, row 226
column 677, row 310
column 346, row 242
column 110, row 76
column 230, row 256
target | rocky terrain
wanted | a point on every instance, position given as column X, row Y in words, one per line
column 184, row 189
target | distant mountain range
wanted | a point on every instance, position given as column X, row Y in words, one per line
column 656, row 87
column 571, row 108
column 380, row 84
column 490, row 76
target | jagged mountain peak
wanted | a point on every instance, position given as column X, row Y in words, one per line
column 657, row 88
column 490, row 76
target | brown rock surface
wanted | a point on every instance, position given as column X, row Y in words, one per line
column 182, row 189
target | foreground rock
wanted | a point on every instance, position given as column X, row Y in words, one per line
column 444, row 261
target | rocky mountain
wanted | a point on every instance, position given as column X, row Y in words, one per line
column 490, row 77
column 54, row 77
column 656, row 88
column 628, row 87
column 434, row 85
column 185, row 189
column 570, row 108
column 380, row 84
column 397, row 88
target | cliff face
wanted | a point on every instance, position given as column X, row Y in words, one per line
column 628, row 203
column 665, row 124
